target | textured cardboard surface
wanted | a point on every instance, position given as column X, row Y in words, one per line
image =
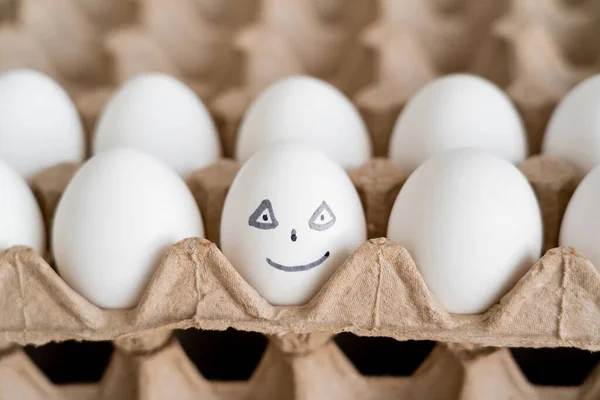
column 376, row 292
column 379, row 53
column 554, row 182
column 209, row 187
column 63, row 38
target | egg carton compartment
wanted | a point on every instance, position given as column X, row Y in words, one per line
column 64, row 39
column 191, row 40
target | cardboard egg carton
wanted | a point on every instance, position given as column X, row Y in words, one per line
column 378, row 291
column 63, row 38
column 7, row 10
column 189, row 39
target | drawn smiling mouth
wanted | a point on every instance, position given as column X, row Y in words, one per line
column 297, row 268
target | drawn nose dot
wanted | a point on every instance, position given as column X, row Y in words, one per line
column 265, row 217
column 294, row 237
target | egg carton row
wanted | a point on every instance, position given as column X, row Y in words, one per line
column 377, row 52
column 378, row 291
column 301, row 367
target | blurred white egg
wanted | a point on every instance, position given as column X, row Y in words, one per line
column 21, row 221
column 290, row 219
column 579, row 228
column 457, row 111
column 118, row 216
column 573, row 132
column 161, row 116
column 39, row 125
column 306, row 109
column 472, row 223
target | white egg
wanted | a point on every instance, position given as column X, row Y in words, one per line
column 160, row 115
column 457, row 111
column 579, row 228
column 309, row 110
column 573, row 132
column 118, row 216
column 290, row 219
column 472, row 223
column 39, row 125
column 21, row 219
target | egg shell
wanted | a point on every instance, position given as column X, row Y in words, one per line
column 119, row 214
column 306, row 109
column 290, row 219
column 457, row 111
column 21, row 219
column 573, row 132
column 579, row 227
column 39, row 125
column 472, row 223
column 158, row 114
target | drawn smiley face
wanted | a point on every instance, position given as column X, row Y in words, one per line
column 291, row 218
column 322, row 219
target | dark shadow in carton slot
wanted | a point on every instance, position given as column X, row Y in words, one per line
column 450, row 372
column 378, row 291
column 379, row 356
column 70, row 361
column 228, row 355
column 560, row 367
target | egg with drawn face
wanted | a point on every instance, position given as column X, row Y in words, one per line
column 290, row 219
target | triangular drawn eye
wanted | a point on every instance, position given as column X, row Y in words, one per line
column 322, row 219
column 263, row 217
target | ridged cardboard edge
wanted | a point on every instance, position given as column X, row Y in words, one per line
column 378, row 291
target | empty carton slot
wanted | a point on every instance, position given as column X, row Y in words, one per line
column 223, row 355
column 384, row 356
column 71, row 361
column 556, row 367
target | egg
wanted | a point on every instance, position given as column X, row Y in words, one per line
column 573, row 132
column 161, row 116
column 472, row 224
column 579, row 228
column 117, row 217
column 305, row 109
column 21, row 219
column 290, row 219
column 39, row 125
column 457, row 111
